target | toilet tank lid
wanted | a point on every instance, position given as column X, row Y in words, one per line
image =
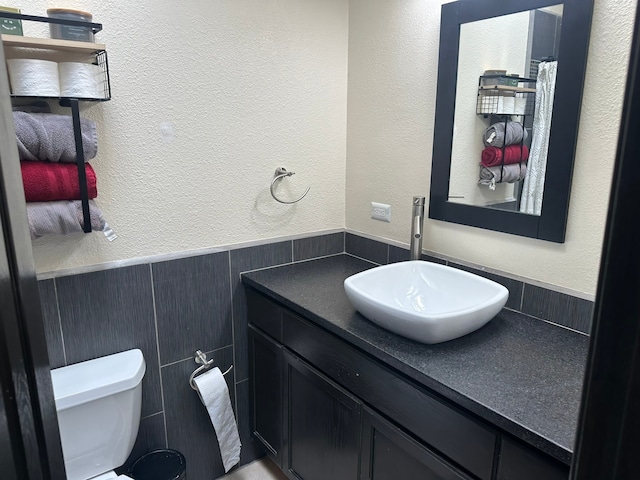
column 87, row 381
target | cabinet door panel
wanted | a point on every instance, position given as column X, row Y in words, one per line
column 323, row 425
column 266, row 393
column 389, row 454
column 519, row 462
column 436, row 422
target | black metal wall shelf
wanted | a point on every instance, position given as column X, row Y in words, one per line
column 98, row 53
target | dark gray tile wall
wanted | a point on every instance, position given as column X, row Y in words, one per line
column 321, row 246
column 192, row 303
column 51, row 320
column 558, row 308
column 199, row 303
column 242, row 260
column 366, row 248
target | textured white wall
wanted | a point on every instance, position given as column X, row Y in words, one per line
column 498, row 43
column 245, row 86
column 393, row 61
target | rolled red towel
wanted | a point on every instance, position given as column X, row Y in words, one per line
column 47, row 182
column 492, row 156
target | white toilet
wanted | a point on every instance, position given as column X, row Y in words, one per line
column 99, row 403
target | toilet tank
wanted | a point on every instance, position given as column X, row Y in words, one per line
column 98, row 403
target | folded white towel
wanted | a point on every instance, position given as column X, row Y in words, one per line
column 214, row 394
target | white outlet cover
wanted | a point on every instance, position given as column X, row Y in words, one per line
column 381, row 211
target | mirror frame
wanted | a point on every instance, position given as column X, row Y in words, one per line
column 572, row 62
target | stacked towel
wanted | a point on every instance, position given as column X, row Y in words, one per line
column 45, row 136
column 53, row 189
column 47, row 182
column 62, row 218
column 492, row 156
column 494, row 136
column 504, row 174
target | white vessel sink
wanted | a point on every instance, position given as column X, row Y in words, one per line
column 425, row 301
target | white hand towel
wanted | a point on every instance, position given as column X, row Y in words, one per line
column 214, row 394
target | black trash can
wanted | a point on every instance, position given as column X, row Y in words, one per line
column 162, row 464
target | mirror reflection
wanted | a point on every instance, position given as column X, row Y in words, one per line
column 504, row 103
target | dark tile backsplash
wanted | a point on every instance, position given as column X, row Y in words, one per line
column 314, row 247
column 199, row 303
column 366, row 248
column 193, row 305
column 558, row 308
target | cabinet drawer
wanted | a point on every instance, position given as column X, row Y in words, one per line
column 446, row 429
column 519, row 462
column 264, row 314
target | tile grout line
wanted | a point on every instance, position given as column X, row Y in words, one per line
column 152, row 415
column 155, row 322
column 64, row 348
column 208, row 352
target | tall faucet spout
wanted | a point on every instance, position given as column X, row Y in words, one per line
column 417, row 225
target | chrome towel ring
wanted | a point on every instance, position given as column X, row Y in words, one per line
column 206, row 365
column 282, row 172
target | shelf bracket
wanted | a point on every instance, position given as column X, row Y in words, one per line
column 82, row 175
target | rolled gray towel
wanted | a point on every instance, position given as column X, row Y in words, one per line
column 511, row 173
column 62, row 218
column 49, row 137
column 494, row 135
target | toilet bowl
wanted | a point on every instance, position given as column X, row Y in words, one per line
column 99, row 404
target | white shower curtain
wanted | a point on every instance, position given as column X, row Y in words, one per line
column 533, row 187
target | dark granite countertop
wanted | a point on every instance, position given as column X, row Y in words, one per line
column 518, row 373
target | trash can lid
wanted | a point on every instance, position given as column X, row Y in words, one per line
column 162, row 464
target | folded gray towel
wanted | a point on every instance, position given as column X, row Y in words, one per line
column 45, row 136
column 62, row 218
column 494, row 135
column 511, row 173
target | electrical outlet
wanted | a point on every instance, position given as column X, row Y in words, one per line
column 380, row 211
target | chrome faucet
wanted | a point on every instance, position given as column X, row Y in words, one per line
column 417, row 225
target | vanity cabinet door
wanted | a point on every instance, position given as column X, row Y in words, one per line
column 389, row 454
column 519, row 462
column 322, row 424
column 266, row 393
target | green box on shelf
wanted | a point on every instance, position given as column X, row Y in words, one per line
column 10, row 26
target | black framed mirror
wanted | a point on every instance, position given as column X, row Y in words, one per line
column 510, row 81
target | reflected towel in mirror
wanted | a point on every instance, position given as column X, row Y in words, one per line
column 492, row 156
column 494, row 135
column 505, row 174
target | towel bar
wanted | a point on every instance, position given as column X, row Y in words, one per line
column 206, row 364
column 282, row 172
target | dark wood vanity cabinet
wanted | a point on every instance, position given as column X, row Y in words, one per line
column 322, row 409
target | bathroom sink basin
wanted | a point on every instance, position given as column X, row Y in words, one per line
column 425, row 301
